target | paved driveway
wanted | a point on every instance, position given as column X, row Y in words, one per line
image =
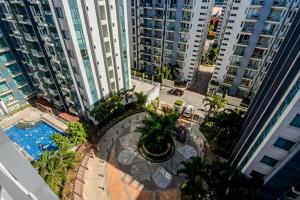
column 189, row 98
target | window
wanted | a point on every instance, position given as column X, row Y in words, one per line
column 71, row 53
column 284, row 144
column 65, row 34
column 256, row 174
column 296, row 121
column 59, row 12
column 269, row 161
column 102, row 13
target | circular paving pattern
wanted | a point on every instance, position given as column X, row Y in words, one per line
column 152, row 178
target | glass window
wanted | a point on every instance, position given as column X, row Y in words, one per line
column 65, row 34
column 256, row 174
column 284, row 144
column 269, row 161
column 296, row 121
column 59, row 12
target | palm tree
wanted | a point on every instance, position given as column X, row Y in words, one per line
column 51, row 169
column 157, row 130
column 67, row 157
column 41, row 163
column 214, row 103
column 194, row 187
column 164, row 72
column 56, row 174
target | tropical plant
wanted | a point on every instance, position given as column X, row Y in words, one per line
column 178, row 103
column 214, row 104
column 61, row 140
column 141, row 98
column 77, row 133
column 157, row 130
column 53, row 166
column 194, row 186
column 230, row 183
column 166, row 72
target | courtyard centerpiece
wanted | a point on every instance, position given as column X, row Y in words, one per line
column 156, row 142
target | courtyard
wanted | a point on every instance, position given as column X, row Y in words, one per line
column 117, row 171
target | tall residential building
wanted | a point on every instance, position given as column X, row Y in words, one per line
column 250, row 33
column 14, row 88
column 72, row 52
column 171, row 32
column 269, row 145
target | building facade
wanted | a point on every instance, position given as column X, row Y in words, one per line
column 74, row 53
column 269, row 145
column 14, row 87
column 169, row 32
column 249, row 35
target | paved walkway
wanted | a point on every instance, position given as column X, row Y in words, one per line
column 118, row 172
column 32, row 114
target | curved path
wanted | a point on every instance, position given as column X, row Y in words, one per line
column 118, row 172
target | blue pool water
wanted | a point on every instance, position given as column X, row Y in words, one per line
column 34, row 140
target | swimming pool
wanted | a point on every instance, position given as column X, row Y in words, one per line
column 34, row 138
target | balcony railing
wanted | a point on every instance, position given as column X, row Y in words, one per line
column 252, row 16
column 267, row 32
column 275, row 18
column 257, row 2
column 280, row 3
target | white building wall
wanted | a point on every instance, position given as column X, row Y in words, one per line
column 234, row 20
column 197, row 36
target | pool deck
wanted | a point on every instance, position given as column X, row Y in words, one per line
column 31, row 115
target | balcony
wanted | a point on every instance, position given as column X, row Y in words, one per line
column 262, row 44
column 274, row 18
column 146, row 34
column 43, row 68
column 159, row 6
column 30, row 38
column 257, row 2
column 146, row 5
column 23, row 20
column 252, row 16
column 171, row 17
column 157, row 36
column 48, row 80
column 65, row 90
column 279, row 4
column 145, row 15
column 187, row 7
column 268, row 32
column 186, row 18
column 185, row 30
column 36, row 53
column 227, row 82
column 53, row 92
column 158, row 26
column 183, row 40
column 146, row 51
column 249, row 77
column 235, row 63
column 170, row 38
column 157, row 45
column 171, row 28
column 231, row 73
column 257, row 56
column 145, row 25
column 243, row 42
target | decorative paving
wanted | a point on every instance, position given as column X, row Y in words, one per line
column 141, row 179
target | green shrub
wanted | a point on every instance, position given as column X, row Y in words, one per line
column 178, row 103
column 61, row 140
column 77, row 133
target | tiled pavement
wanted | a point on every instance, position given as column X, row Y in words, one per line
column 119, row 172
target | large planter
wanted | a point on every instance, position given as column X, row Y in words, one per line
column 157, row 157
